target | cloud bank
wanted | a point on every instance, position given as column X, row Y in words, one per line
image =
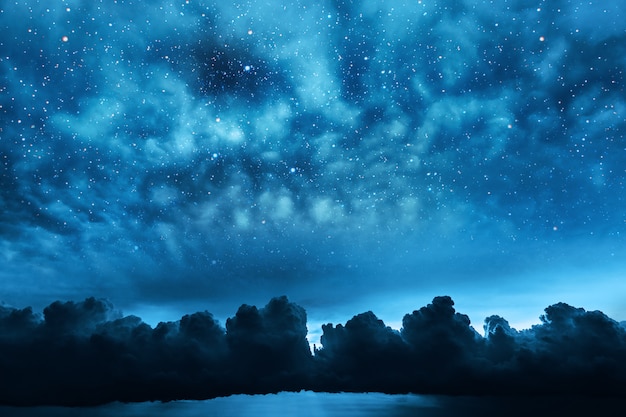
column 84, row 353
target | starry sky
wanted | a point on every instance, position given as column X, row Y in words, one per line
column 176, row 156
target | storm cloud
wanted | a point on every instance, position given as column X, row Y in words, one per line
column 99, row 355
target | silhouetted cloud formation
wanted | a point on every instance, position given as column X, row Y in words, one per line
column 87, row 352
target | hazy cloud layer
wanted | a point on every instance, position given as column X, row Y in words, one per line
column 147, row 144
column 82, row 353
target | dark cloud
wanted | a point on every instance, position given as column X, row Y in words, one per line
column 70, row 318
column 363, row 355
column 269, row 348
column 87, row 353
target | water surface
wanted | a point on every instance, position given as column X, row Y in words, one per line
column 310, row 404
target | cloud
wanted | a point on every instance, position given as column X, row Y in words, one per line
column 204, row 134
column 363, row 355
column 73, row 318
column 587, row 345
column 163, row 114
column 269, row 348
column 88, row 353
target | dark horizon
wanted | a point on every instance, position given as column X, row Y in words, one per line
column 88, row 353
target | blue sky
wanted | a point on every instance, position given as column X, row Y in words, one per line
column 184, row 156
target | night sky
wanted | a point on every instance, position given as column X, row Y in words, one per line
column 174, row 157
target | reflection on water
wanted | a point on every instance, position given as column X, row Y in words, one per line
column 310, row 404
column 305, row 404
